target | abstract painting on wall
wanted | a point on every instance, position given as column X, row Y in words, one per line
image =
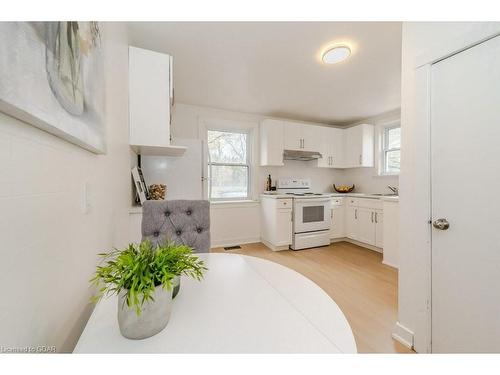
column 51, row 76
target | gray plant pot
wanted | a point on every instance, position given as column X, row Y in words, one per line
column 153, row 318
column 176, row 284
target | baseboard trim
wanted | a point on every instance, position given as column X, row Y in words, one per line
column 234, row 242
column 403, row 335
column 389, row 264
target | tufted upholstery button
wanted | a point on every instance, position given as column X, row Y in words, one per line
column 156, row 234
column 188, row 212
column 199, row 230
column 178, row 232
column 167, row 213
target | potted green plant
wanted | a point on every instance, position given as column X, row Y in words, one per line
column 142, row 277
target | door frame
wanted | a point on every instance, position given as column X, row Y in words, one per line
column 422, row 340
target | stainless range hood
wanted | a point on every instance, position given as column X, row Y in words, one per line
column 301, row 155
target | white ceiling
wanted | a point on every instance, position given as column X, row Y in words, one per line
column 274, row 69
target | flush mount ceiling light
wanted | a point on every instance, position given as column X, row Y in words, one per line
column 336, row 54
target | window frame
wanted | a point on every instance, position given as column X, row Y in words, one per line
column 385, row 149
column 233, row 126
column 219, row 164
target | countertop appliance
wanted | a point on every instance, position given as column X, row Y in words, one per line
column 311, row 218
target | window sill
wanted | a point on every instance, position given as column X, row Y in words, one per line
column 235, row 203
column 387, row 175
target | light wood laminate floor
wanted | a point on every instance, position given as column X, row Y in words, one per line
column 363, row 287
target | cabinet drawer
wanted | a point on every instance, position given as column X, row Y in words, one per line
column 370, row 203
column 337, row 201
column 353, row 202
column 283, row 203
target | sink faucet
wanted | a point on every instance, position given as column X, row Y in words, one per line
column 394, row 189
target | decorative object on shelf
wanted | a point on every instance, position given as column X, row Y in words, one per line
column 141, row 190
column 157, row 192
column 343, row 188
column 53, row 78
column 142, row 276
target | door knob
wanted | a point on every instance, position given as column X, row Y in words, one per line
column 441, row 224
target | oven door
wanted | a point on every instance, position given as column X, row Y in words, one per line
column 311, row 214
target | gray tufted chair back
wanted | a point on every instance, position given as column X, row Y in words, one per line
column 180, row 221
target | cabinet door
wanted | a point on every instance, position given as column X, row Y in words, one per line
column 337, row 225
column 149, row 97
column 271, row 143
column 312, row 137
column 283, row 227
column 337, row 148
column 365, row 226
column 379, row 229
column 292, row 136
column 351, row 222
column 325, row 147
column 353, row 147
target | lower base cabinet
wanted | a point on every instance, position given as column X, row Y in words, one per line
column 337, row 216
column 364, row 221
column 276, row 223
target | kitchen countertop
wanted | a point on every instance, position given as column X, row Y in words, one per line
column 389, row 198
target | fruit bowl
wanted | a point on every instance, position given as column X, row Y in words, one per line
column 343, row 188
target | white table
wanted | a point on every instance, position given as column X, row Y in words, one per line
column 244, row 305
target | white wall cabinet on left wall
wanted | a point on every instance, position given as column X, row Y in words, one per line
column 150, row 103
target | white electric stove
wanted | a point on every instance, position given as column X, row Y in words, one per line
column 311, row 213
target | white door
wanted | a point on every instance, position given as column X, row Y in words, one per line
column 365, row 226
column 292, row 135
column 465, row 173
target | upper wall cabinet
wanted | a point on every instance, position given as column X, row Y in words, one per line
column 359, row 142
column 271, row 143
column 150, row 101
column 341, row 148
column 331, row 146
column 300, row 137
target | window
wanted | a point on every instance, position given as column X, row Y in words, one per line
column 391, row 150
column 228, row 165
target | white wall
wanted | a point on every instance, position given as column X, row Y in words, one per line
column 367, row 180
column 48, row 246
column 422, row 42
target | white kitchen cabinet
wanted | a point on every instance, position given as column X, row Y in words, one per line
column 150, row 100
column 331, row 147
column 365, row 226
column 365, row 221
column 337, row 215
column 359, row 142
column 276, row 223
column 379, row 229
column 292, row 133
column 271, row 143
column 300, row 137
